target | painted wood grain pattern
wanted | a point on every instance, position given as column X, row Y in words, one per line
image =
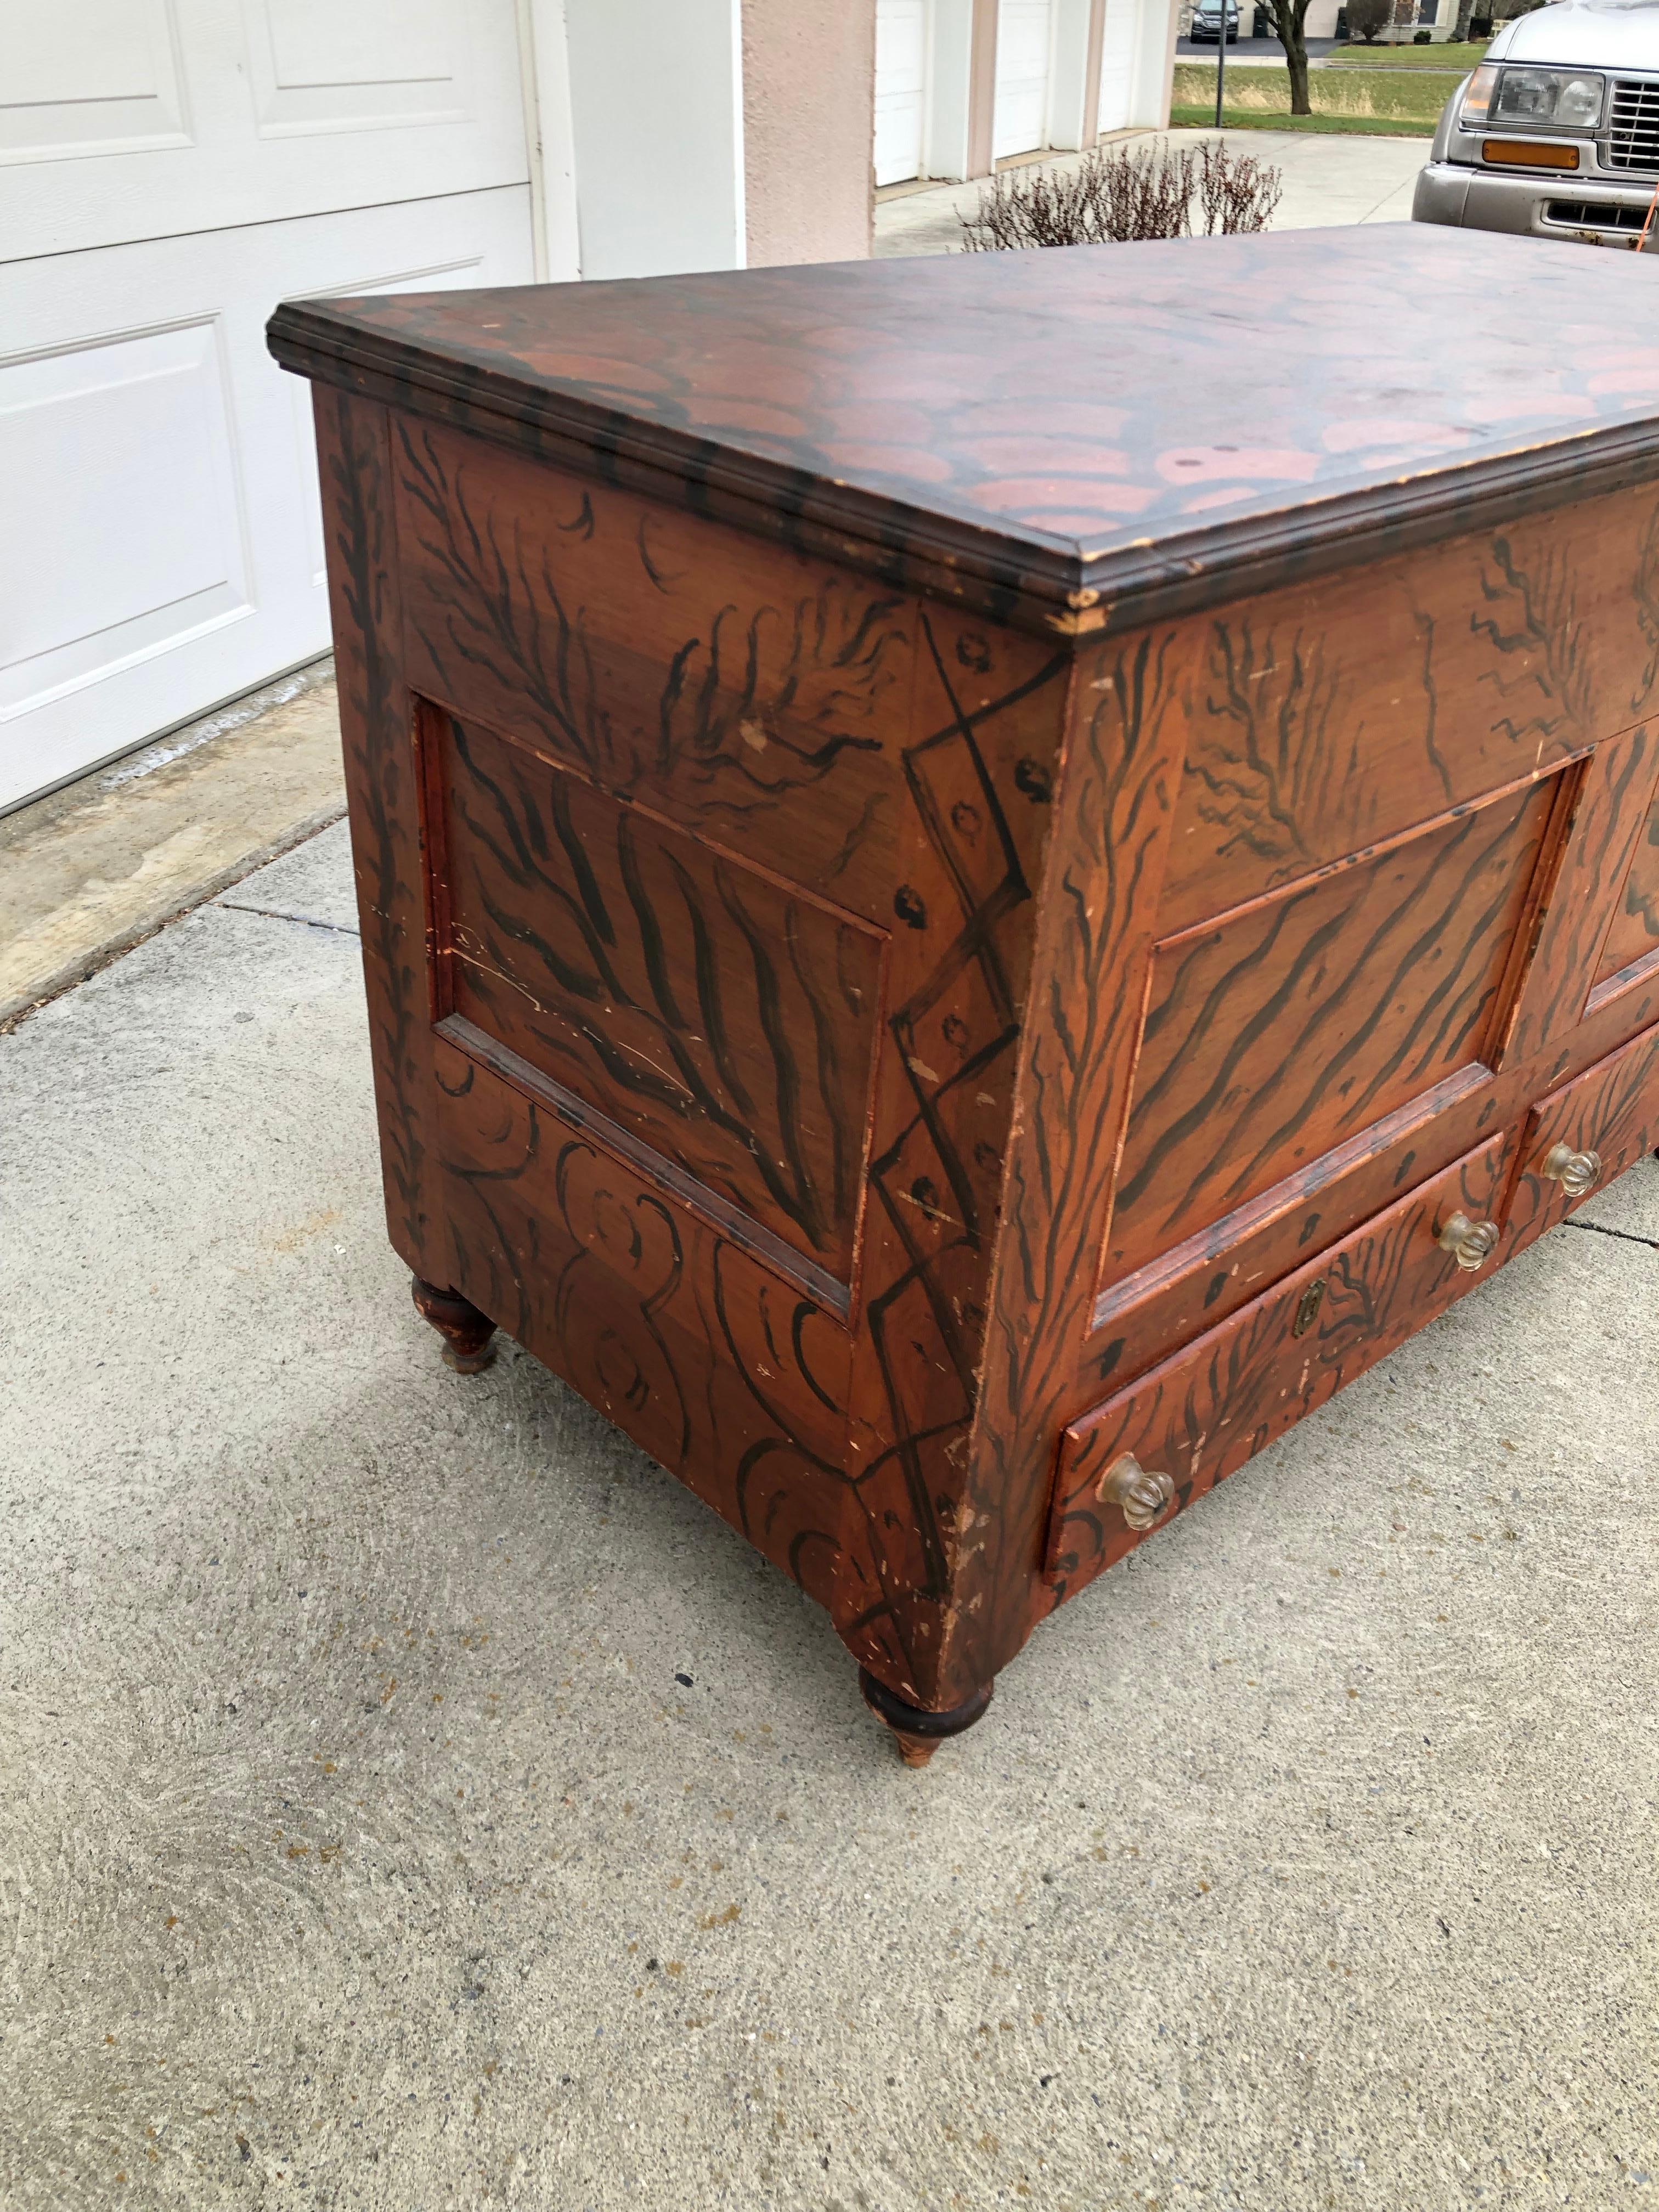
column 383, row 790
column 1300, row 1021
column 1197, row 1282
column 1613, row 1109
column 1331, row 716
column 980, row 768
column 944, row 423
column 726, row 1020
column 727, row 1377
column 1633, row 935
column 751, row 694
column 1093, row 961
column 1606, row 797
column 1202, row 1415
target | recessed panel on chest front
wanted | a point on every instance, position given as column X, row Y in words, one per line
column 1411, row 849
column 1631, row 943
column 1275, row 1033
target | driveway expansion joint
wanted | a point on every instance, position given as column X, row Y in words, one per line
column 280, row 913
column 1624, row 1235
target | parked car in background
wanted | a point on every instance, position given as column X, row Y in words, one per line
column 1557, row 132
column 1206, row 22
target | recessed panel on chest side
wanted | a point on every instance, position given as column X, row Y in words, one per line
column 709, row 1011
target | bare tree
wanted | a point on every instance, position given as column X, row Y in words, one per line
column 1287, row 20
column 1118, row 193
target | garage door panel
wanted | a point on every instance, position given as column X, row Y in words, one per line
column 100, row 78
column 160, row 468
column 169, row 169
column 120, row 453
column 256, row 112
column 382, row 63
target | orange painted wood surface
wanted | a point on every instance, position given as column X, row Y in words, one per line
column 676, row 664
column 1633, row 937
column 1314, row 1013
column 723, row 1017
column 1330, row 716
column 1611, row 1110
column 1201, row 1414
column 384, row 800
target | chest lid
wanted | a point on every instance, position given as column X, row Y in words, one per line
column 1069, row 438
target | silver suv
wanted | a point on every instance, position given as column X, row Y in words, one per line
column 1557, row 132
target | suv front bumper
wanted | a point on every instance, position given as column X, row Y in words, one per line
column 1585, row 207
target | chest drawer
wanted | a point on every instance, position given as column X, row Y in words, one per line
column 1578, row 1139
column 1130, row 1464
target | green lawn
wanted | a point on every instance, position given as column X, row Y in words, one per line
column 1258, row 119
column 1452, row 58
column 1399, row 103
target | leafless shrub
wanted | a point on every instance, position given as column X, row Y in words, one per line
column 1236, row 192
column 1119, row 192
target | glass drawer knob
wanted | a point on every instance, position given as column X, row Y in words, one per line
column 1144, row 1498
column 1575, row 1172
column 1471, row 1244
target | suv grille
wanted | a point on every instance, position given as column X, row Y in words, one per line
column 1595, row 215
column 1634, row 136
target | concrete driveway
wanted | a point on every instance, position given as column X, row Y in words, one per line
column 1328, row 179
column 413, row 1799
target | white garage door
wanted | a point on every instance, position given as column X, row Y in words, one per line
column 1025, row 34
column 901, row 81
column 169, row 169
column 1119, row 57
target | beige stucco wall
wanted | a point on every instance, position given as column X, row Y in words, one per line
column 809, row 86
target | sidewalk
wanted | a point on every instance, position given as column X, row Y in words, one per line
column 97, row 866
column 1328, row 179
column 414, row 1798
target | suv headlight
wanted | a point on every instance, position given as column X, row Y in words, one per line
column 1533, row 98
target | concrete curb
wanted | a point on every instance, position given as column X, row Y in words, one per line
column 16, row 1010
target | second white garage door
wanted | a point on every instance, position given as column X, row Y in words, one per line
column 1120, row 58
column 901, row 83
column 1025, row 36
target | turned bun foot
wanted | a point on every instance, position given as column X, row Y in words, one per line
column 467, row 1333
column 917, row 1732
column 915, row 1750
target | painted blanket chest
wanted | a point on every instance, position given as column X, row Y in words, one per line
column 982, row 878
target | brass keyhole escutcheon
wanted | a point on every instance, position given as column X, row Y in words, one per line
column 1471, row 1244
column 1307, row 1307
column 1576, row 1172
column 1142, row 1495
